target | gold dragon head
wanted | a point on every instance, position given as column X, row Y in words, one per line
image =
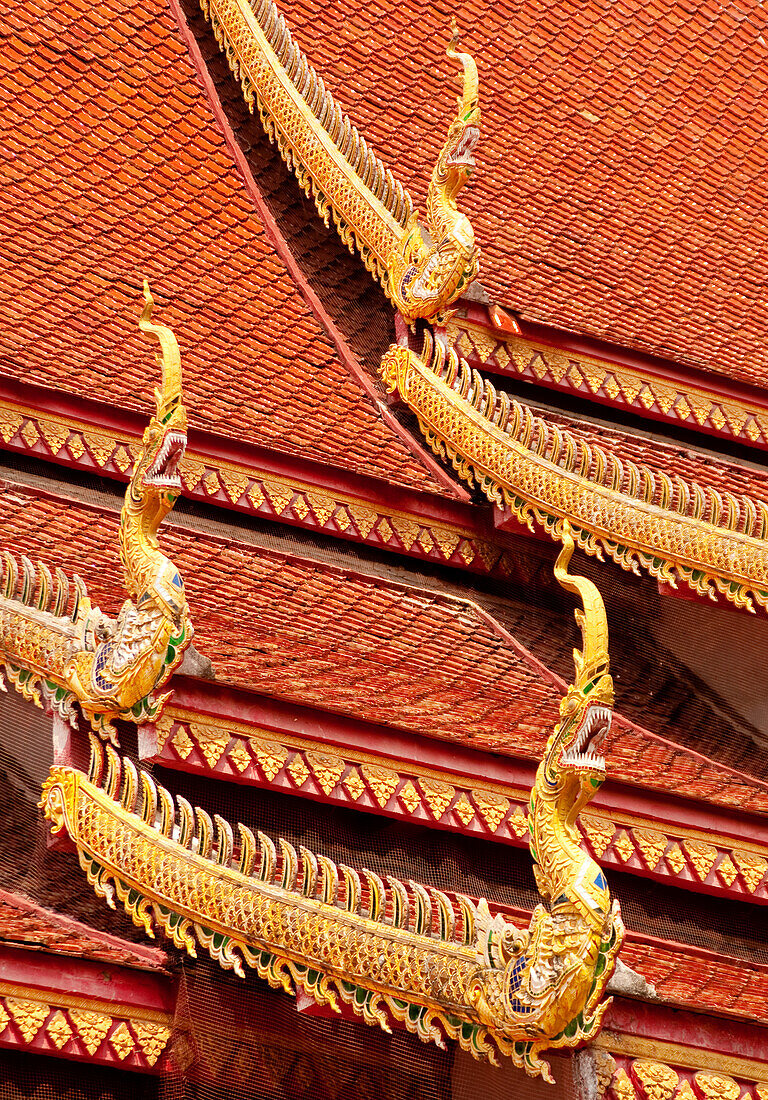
column 155, row 485
column 587, row 708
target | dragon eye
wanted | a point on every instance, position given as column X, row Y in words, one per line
column 571, row 705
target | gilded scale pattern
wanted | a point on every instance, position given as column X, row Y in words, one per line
column 442, row 967
column 674, row 530
column 55, row 645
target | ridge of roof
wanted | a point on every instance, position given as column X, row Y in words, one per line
column 110, row 177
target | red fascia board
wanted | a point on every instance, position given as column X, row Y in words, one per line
column 103, row 418
column 665, row 370
column 115, row 985
column 328, row 728
column 680, row 1025
column 324, row 727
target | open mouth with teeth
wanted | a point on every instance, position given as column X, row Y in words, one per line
column 163, row 473
column 462, row 154
column 584, row 751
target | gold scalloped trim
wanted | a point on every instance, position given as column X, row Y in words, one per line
column 675, row 530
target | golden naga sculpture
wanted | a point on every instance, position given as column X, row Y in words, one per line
column 421, row 272
column 674, row 529
column 425, row 278
column 442, row 965
column 112, row 668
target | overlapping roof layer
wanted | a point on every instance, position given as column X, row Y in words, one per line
column 112, row 169
column 312, row 634
column 622, row 172
column 27, row 925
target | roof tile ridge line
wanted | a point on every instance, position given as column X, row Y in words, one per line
column 182, row 522
column 284, row 252
column 647, row 940
column 70, row 924
column 561, row 685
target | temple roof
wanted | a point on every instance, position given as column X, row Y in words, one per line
column 355, row 642
column 26, row 925
column 114, row 170
column 622, row 162
column 615, row 197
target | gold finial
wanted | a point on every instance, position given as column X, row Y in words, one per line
column 169, row 357
column 469, row 99
column 592, row 659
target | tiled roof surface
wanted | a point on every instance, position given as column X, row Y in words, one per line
column 702, row 981
column 25, row 924
column 623, row 166
column 112, row 169
column 380, row 652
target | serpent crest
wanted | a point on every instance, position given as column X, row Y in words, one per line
column 55, row 645
column 443, row 965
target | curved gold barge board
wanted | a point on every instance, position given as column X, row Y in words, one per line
column 300, row 919
column 420, row 273
column 329, row 156
column 674, row 529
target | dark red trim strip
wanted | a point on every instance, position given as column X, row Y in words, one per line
column 115, row 985
column 327, row 728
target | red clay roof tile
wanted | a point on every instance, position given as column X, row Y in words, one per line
column 117, row 171
column 25, row 924
column 313, row 634
column 700, row 979
column 622, row 165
